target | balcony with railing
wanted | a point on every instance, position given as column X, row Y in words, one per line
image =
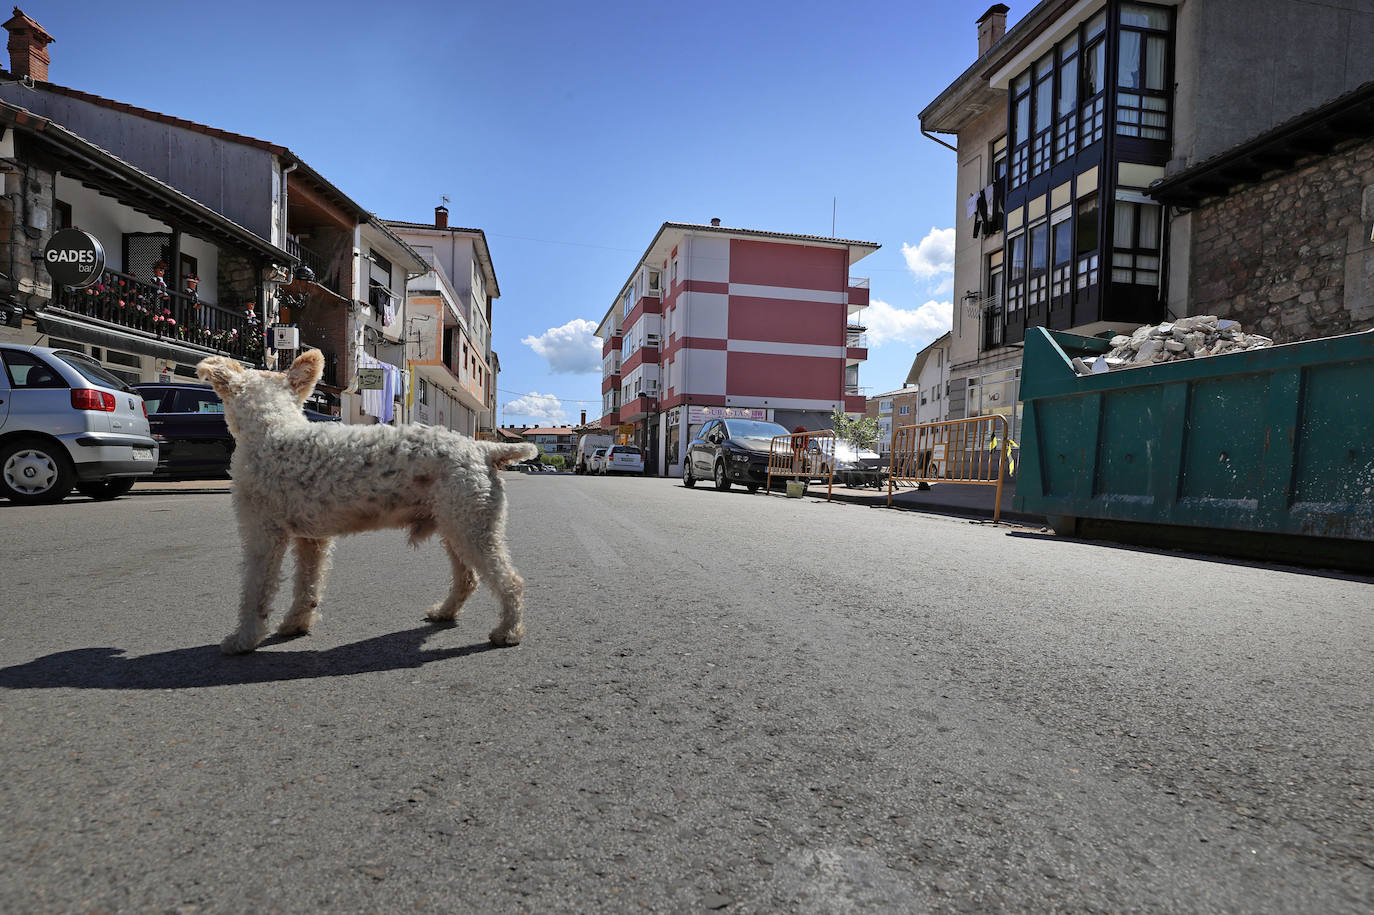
column 989, row 309
column 124, row 302
column 858, row 293
column 319, row 265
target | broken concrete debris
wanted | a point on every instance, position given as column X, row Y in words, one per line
column 1184, row 338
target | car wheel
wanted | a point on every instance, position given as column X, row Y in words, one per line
column 687, row 479
column 722, row 481
column 105, row 490
column 35, row 472
column 752, row 487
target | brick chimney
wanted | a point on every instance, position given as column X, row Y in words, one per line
column 28, row 47
column 584, row 418
column 441, row 217
column 992, row 25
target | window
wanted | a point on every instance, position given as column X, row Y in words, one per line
column 905, row 410
column 1066, row 112
column 1019, row 131
column 28, row 371
column 1093, row 105
column 1061, row 258
column 993, row 321
column 1044, row 114
column 1039, row 256
column 1086, row 224
column 61, row 215
column 654, row 282
column 1142, row 99
column 1016, row 282
column 379, row 281
column 1135, row 243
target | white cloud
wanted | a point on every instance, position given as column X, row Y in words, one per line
column 932, row 255
column 887, row 323
column 572, row 349
column 537, row 406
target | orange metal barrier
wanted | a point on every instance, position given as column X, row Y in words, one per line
column 804, row 456
column 957, row 451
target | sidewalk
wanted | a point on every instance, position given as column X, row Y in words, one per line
column 942, row 498
column 154, row 487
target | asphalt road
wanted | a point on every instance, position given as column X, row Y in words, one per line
column 724, row 701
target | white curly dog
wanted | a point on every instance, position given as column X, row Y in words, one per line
column 305, row 483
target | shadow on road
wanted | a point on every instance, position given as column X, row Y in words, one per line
column 107, row 668
column 1187, row 552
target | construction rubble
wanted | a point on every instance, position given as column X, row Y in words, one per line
column 1184, row 338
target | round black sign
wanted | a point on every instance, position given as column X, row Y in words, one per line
column 74, row 258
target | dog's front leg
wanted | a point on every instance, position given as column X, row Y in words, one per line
column 464, row 583
column 262, row 556
column 312, row 564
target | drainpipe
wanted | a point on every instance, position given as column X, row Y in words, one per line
column 285, row 195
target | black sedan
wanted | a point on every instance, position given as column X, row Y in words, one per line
column 187, row 420
column 730, row 451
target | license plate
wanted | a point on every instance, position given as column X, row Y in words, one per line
column 143, row 454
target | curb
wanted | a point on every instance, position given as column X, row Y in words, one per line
column 942, row 508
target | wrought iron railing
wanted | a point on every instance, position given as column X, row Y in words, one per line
column 121, row 300
column 318, row 263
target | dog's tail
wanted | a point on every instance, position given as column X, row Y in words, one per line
column 499, row 455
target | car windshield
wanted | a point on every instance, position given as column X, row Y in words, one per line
column 752, row 433
column 92, row 371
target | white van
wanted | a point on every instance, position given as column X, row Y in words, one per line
column 586, row 446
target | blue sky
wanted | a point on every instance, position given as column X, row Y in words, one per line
column 571, row 132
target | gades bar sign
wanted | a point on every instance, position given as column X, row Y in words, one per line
column 74, row 258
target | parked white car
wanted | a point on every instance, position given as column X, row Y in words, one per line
column 594, row 462
column 66, row 422
column 622, row 459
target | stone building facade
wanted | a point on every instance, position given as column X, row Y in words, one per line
column 1291, row 257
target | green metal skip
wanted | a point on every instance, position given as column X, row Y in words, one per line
column 1267, row 453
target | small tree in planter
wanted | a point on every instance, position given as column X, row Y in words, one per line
column 862, row 432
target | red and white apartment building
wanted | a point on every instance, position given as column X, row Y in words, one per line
column 717, row 321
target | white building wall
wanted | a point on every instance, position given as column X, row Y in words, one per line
column 705, row 259
column 931, row 382
column 704, row 371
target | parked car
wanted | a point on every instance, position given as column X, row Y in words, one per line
column 586, row 447
column 622, row 459
column 594, row 462
column 66, row 422
column 854, row 466
column 188, row 422
column 730, row 451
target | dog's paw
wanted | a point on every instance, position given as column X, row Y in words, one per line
column 506, row 637
column 292, row 627
column 239, row 643
column 439, row 617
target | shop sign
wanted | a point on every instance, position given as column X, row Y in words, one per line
column 627, row 429
column 698, row 415
column 286, row 336
column 74, row 258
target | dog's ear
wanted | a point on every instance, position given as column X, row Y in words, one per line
column 305, row 372
column 223, row 373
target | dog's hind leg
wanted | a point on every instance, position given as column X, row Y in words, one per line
column 262, row 556
column 464, row 583
column 312, row 565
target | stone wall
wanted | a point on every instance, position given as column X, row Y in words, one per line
column 26, row 223
column 1290, row 257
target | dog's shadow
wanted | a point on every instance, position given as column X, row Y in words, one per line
column 107, row 668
